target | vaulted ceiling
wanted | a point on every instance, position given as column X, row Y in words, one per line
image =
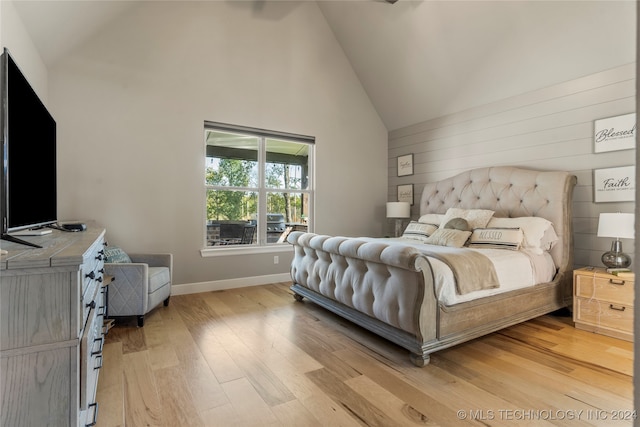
column 420, row 59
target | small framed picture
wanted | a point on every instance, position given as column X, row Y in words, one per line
column 405, row 193
column 614, row 184
column 405, row 165
column 614, row 133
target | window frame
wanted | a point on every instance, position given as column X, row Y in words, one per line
column 261, row 245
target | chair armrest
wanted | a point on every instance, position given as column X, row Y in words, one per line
column 129, row 288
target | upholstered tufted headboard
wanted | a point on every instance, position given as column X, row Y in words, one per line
column 511, row 192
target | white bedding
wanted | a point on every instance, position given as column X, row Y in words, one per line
column 515, row 270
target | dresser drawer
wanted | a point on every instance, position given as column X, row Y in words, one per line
column 613, row 289
column 91, row 354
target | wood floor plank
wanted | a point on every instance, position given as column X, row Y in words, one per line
column 256, row 357
column 141, row 394
column 250, row 409
column 401, row 412
column 110, row 394
column 436, row 394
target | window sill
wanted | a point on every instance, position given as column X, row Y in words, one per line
column 245, row 250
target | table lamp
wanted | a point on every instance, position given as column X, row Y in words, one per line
column 398, row 211
column 618, row 225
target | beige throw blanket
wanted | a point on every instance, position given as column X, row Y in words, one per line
column 472, row 270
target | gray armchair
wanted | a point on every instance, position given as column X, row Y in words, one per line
column 138, row 286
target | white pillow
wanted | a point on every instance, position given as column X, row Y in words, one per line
column 539, row 234
column 448, row 237
column 477, row 218
column 419, row 231
column 431, row 219
column 496, row 238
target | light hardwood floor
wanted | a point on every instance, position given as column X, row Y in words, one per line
column 255, row 357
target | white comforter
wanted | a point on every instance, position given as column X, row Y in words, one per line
column 515, row 270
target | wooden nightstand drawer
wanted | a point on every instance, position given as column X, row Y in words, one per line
column 609, row 288
column 603, row 303
column 604, row 314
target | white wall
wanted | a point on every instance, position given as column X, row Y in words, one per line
column 547, row 129
column 15, row 37
column 131, row 102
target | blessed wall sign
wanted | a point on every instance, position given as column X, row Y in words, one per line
column 615, row 133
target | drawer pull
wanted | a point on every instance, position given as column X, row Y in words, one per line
column 92, row 305
column 99, row 257
column 90, row 275
column 617, row 282
column 95, row 414
column 612, row 307
column 101, row 339
column 97, row 367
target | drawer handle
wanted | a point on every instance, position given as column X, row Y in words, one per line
column 612, row 307
column 91, row 275
column 95, row 414
column 92, row 305
column 97, row 367
column 101, row 339
column 99, row 257
column 616, row 282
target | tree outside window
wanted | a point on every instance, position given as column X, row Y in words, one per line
column 255, row 180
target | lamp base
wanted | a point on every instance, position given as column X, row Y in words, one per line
column 615, row 258
column 398, row 229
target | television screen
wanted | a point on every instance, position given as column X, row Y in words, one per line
column 29, row 154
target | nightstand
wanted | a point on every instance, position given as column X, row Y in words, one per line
column 603, row 303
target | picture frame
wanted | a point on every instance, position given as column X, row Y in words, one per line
column 614, row 133
column 405, row 193
column 614, row 184
column 405, row 165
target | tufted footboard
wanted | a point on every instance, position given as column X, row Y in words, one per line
column 386, row 288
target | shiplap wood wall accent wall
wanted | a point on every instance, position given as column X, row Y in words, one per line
column 547, row 129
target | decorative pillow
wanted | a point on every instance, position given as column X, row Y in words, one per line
column 418, row 231
column 448, row 237
column 496, row 238
column 539, row 234
column 458, row 224
column 432, row 219
column 116, row 255
column 477, row 218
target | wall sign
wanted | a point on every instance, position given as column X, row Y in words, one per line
column 405, row 193
column 405, row 165
column 615, row 133
column 614, row 184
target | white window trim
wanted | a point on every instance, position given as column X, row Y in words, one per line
column 230, row 250
column 245, row 250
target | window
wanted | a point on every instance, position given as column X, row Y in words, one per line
column 258, row 185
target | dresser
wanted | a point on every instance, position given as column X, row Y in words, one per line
column 603, row 303
column 52, row 307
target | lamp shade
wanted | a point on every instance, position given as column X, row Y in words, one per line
column 398, row 210
column 618, row 225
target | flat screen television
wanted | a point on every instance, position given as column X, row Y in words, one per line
column 28, row 178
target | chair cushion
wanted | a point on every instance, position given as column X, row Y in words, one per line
column 158, row 277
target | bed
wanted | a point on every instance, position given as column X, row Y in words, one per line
column 392, row 286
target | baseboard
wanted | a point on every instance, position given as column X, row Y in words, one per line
column 219, row 285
